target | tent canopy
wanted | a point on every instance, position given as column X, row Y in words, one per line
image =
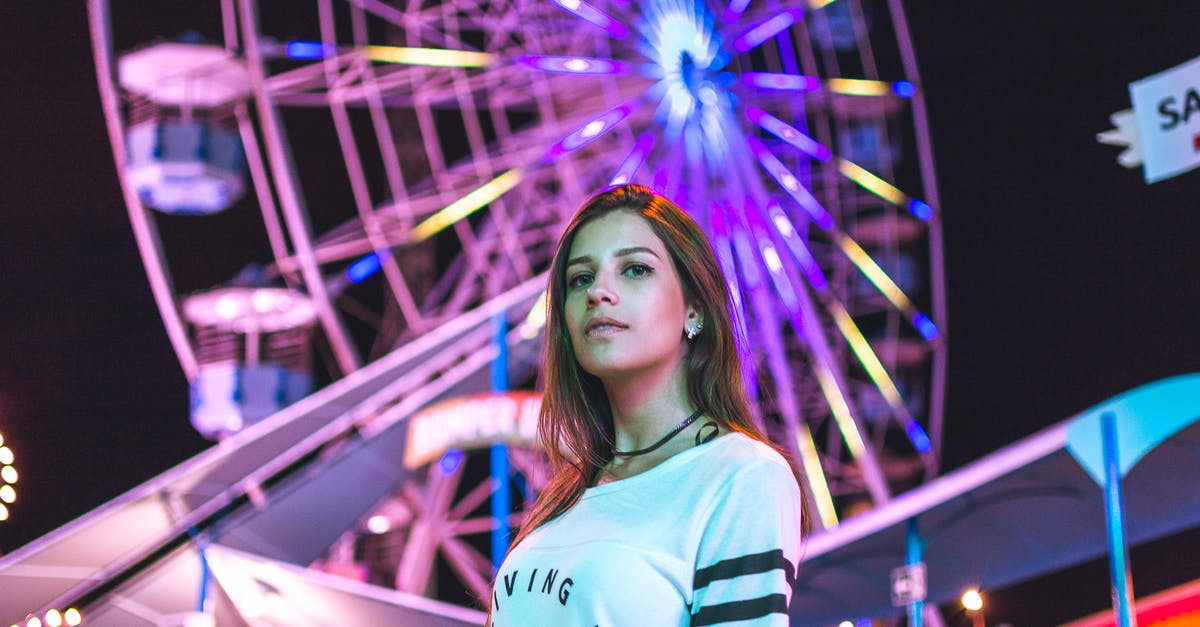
column 1025, row 510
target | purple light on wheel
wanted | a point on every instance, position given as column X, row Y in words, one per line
column 360, row 270
column 574, row 65
column 734, row 10
column 767, row 29
column 772, row 260
column 925, row 326
column 791, row 237
column 918, row 437
column 308, row 50
column 634, row 162
column 589, row 132
column 920, row 210
column 787, row 133
column 595, row 16
column 723, row 248
column 775, row 80
column 790, row 183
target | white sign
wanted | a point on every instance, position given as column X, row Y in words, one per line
column 1166, row 111
column 908, row 584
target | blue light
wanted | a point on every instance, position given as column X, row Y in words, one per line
column 919, row 209
column 450, row 461
column 307, row 50
column 925, row 326
column 919, row 439
column 863, row 622
column 363, row 268
column 904, row 89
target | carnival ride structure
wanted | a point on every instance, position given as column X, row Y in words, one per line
column 409, row 170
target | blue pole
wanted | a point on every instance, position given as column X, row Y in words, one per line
column 913, row 544
column 1114, row 504
column 501, row 498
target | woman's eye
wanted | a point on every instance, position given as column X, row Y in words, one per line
column 638, row 270
column 582, row 279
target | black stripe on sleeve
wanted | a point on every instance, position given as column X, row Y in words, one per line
column 741, row 610
column 745, row 565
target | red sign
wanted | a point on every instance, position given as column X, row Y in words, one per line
column 1177, row 607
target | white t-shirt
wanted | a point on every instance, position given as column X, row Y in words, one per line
column 709, row 536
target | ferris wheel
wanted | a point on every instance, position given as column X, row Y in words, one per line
column 384, row 167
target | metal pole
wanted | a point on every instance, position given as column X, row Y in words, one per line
column 501, row 505
column 1118, row 551
column 916, row 607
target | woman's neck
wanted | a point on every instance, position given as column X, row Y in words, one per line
column 646, row 407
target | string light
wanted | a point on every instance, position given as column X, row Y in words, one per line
column 8, row 476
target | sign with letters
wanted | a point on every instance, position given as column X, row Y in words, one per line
column 1166, row 114
column 472, row 422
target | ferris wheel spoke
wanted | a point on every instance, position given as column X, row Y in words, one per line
column 850, row 248
column 815, row 477
column 762, row 258
column 849, row 330
column 400, row 293
column 294, row 212
column 468, row 564
column 472, row 500
column 861, row 176
column 806, row 322
column 422, row 22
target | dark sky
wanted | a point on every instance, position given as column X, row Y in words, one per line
column 1069, row 279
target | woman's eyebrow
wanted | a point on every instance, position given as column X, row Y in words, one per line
column 622, row 252
column 634, row 249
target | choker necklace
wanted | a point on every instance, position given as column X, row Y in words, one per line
column 666, row 438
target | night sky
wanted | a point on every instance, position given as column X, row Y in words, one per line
column 1069, row 279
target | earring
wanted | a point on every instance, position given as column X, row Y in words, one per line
column 692, row 332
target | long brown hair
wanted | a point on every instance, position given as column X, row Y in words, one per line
column 575, row 427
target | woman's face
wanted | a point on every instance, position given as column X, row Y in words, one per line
column 624, row 305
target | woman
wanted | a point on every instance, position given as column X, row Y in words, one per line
column 666, row 505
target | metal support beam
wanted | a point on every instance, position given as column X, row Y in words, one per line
column 1114, row 510
column 501, row 505
column 914, row 548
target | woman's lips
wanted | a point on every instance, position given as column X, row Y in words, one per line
column 600, row 327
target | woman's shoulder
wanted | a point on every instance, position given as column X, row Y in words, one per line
column 741, row 455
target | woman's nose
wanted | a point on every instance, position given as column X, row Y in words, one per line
column 599, row 292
